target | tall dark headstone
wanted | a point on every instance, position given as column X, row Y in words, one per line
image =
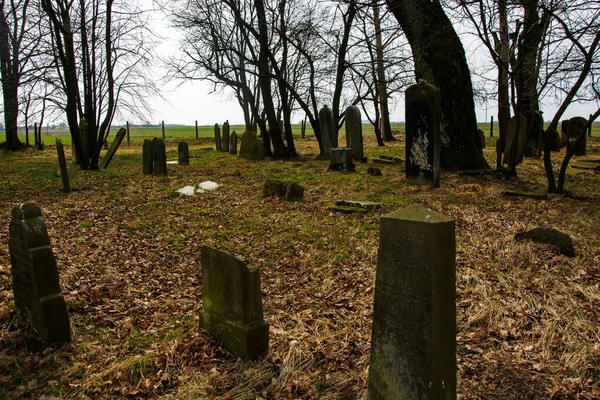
column 303, row 128
column 535, row 135
column 163, row 130
column 35, row 282
column 147, row 162
column 573, row 129
column 232, row 304
column 516, row 138
column 329, row 133
column 218, row 137
column 423, row 134
column 183, row 153
column 354, row 137
column 492, row 126
column 196, row 130
column 62, row 162
column 225, row 138
column 159, row 157
column 128, row 137
column 233, row 143
column 251, row 148
column 113, row 148
column 413, row 342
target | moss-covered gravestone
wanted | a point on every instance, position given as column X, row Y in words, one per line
column 232, row 304
column 183, row 153
column 413, row 342
column 354, row 137
column 218, row 137
column 159, row 157
column 147, row 162
column 423, row 141
column 251, row 148
column 113, row 148
column 225, row 138
column 35, row 284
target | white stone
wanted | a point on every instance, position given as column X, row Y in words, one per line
column 172, row 162
column 187, row 190
column 208, row 185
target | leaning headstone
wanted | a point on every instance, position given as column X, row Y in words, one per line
column 225, row 138
column 573, row 129
column 329, row 134
column 233, row 143
column 35, row 282
column 147, row 163
column 218, row 137
column 62, row 162
column 183, row 153
column 341, row 159
column 289, row 190
column 423, row 134
column 159, row 157
column 251, row 148
column 113, row 148
column 354, row 137
column 232, row 304
column 516, row 137
column 413, row 342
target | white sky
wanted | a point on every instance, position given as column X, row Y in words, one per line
column 186, row 102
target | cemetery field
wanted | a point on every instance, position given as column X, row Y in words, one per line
column 128, row 245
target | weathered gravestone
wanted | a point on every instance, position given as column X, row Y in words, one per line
column 572, row 129
column 35, row 283
column 251, row 148
column 516, row 137
column 183, row 153
column 535, row 135
column 329, row 133
column 218, row 137
column 232, row 304
column 341, row 159
column 289, row 190
column 233, row 143
column 225, row 138
column 147, row 162
column 354, row 137
column 481, row 137
column 113, row 148
column 159, row 157
column 423, row 134
column 413, row 342
column 62, row 162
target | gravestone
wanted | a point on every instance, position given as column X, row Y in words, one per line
column 113, row 148
column 289, row 190
column 159, row 157
column 329, row 133
column 233, row 143
column 354, row 138
column 218, row 137
column 183, row 153
column 481, row 137
column 225, row 139
column 35, row 283
column 573, row 129
column 554, row 141
column 516, row 137
column 535, row 135
column 423, row 134
column 303, row 128
column 251, row 148
column 413, row 342
column 341, row 159
column 232, row 304
column 62, row 162
column 147, row 162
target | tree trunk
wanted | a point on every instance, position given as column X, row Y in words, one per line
column 440, row 59
column 10, row 86
column 503, row 82
column 385, row 126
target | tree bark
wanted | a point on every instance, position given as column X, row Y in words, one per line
column 439, row 58
column 385, row 126
column 9, row 65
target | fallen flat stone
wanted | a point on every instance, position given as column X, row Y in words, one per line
column 348, row 210
column 172, row 162
column 187, row 190
column 575, row 171
column 591, row 160
column 551, row 236
column 586, row 165
column 382, row 161
column 368, row 205
column 391, row 158
column 541, row 194
column 207, row 186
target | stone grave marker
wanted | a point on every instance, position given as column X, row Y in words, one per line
column 62, row 162
column 535, row 135
column 232, row 304
column 423, row 134
column 251, row 148
column 113, row 148
column 341, row 159
column 35, row 283
column 225, row 138
column 289, row 190
column 233, row 143
column 329, row 133
column 159, row 157
column 354, row 137
column 147, row 163
column 481, row 137
column 516, row 138
column 413, row 342
column 218, row 137
column 183, row 153
column 572, row 129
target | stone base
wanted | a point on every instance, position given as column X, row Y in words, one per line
column 247, row 341
column 350, row 167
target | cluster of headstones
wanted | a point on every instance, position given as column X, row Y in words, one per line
column 341, row 158
column 154, row 157
column 226, row 142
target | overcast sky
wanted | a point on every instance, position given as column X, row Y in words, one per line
column 186, row 102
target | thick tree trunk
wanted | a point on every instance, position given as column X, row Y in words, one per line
column 503, row 82
column 440, row 59
column 385, row 126
column 10, row 86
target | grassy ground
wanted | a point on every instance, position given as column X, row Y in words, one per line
column 127, row 248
